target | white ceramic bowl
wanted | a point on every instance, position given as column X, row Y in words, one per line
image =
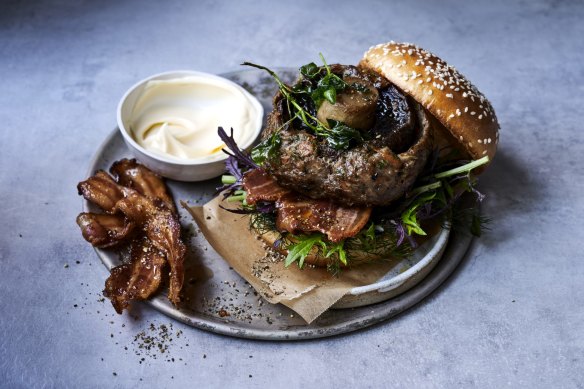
column 196, row 169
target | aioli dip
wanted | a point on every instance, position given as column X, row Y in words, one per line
column 178, row 117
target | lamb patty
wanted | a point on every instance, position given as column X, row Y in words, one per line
column 373, row 173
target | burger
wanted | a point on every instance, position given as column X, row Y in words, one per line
column 355, row 162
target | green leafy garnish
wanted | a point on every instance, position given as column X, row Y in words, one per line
column 300, row 246
column 327, row 87
column 309, row 70
column 299, row 250
column 374, row 240
column 318, row 85
column 342, row 136
column 439, row 195
column 337, row 249
column 267, row 150
column 410, row 216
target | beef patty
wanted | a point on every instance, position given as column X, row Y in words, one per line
column 377, row 171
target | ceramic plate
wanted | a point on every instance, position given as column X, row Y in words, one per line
column 217, row 299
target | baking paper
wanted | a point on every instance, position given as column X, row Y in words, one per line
column 309, row 291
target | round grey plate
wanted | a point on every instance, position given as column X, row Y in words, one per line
column 215, row 297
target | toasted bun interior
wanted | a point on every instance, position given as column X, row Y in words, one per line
column 456, row 103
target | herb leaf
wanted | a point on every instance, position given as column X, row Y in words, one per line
column 309, row 70
column 267, row 150
column 336, row 248
column 410, row 216
column 299, row 250
column 330, row 95
column 340, row 136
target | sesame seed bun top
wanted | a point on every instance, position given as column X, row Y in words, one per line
column 442, row 90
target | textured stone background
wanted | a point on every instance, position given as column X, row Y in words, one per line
column 510, row 316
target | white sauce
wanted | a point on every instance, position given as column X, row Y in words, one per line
column 178, row 118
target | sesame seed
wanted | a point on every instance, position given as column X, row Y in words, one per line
column 472, row 113
column 480, row 117
column 480, row 141
column 449, row 95
column 484, row 152
column 429, row 91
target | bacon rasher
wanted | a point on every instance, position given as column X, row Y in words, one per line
column 297, row 213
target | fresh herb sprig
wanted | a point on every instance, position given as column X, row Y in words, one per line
column 327, row 86
column 439, row 196
column 375, row 241
column 338, row 135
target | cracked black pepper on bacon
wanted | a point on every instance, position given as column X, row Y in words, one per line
column 140, row 214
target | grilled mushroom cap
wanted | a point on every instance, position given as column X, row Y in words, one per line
column 457, row 104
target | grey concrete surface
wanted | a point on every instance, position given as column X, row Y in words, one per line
column 511, row 316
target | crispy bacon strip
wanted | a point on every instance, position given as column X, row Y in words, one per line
column 261, row 187
column 102, row 230
column 101, row 190
column 133, row 175
column 162, row 229
column 138, row 279
column 156, row 221
column 297, row 213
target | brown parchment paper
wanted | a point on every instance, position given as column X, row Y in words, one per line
column 309, row 292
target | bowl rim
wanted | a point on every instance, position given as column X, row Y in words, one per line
column 194, row 161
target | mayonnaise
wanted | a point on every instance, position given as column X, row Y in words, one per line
column 178, row 118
